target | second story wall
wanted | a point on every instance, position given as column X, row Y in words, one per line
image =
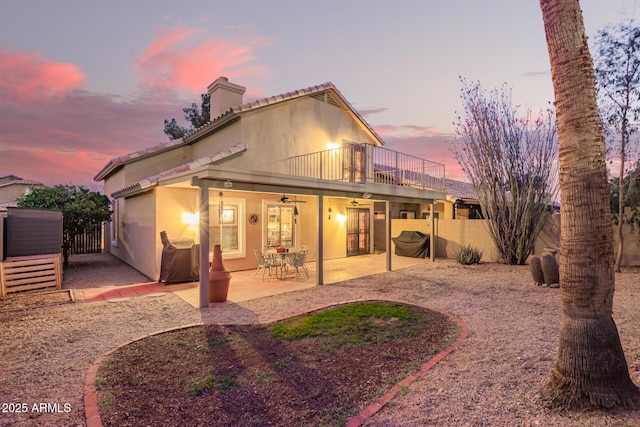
column 292, row 128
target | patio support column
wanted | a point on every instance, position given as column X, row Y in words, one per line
column 388, row 227
column 319, row 241
column 204, row 245
column 432, row 238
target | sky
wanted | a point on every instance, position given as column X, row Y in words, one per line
column 83, row 82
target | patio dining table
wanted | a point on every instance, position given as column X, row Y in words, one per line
column 284, row 256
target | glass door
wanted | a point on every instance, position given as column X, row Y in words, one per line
column 358, row 231
column 280, row 231
column 354, row 163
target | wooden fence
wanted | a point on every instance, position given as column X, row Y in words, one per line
column 29, row 273
column 89, row 242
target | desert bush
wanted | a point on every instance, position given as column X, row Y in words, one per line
column 468, row 255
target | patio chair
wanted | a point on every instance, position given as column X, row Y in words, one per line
column 265, row 262
column 296, row 261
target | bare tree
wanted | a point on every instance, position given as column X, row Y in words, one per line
column 511, row 160
column 590, row 369
column 617, row 71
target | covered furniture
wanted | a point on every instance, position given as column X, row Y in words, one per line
column 180, row 260
column 412, row 244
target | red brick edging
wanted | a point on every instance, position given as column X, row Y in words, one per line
column 92, row 412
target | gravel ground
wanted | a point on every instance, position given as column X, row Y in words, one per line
column 492, row 379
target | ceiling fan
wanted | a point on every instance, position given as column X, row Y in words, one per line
column 285, row 199
column 355, row 203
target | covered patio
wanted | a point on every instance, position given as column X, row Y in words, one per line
column 244, row 286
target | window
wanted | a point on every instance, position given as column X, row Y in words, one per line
column 115, row 218
column 226, row 228
column 280, row 229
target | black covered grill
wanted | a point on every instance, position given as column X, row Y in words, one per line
column 180, row 260
column 412, row 244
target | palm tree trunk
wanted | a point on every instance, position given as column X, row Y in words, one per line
column 591, row 369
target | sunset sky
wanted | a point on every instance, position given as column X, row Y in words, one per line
column 83, row 82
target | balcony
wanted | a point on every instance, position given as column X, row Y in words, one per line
column 369, row 164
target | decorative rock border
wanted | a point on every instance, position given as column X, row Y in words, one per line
column 92, row 412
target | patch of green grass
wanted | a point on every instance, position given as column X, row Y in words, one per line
column 355, row 324
column 227, row 382
column 216, row 340
column 105, row 402
column 200, row 387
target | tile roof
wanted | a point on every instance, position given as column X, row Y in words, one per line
column 4, row 206
column 229, row 114
column 460, row 190
column 14, row 180
column 153, row 180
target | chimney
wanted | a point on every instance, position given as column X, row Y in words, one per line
column 224, row 95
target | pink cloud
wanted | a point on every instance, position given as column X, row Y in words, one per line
column 423, row 142
column 52, row 166
column 411, row 131
column 27, row 76
column 183, row 58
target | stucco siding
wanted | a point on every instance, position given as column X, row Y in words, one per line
column 221, row 139
column 10, row 193
column 301, row 126
column 137, row 231
column 144, row 168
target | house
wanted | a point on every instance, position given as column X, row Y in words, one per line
column 301, row 168
column 12, row 188
column 461, row 201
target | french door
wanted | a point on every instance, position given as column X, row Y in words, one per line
column 354, row 163
column 358, row 231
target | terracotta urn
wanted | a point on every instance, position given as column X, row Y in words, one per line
column 218, row 277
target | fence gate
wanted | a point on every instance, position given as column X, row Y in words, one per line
column 89, row 242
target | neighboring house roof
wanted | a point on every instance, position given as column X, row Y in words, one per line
column 234, row 112
column 459, row 190
column 464, row 192
column 14, row 180
column 152, row 181
column 4, row 206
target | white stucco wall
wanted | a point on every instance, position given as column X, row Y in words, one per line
column 296, row 127
column 137, row 230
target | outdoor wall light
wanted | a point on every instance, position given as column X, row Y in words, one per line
column 366, row 195
column 332, row 145
column 190, row 218
column 341, row 218
column 228, row 184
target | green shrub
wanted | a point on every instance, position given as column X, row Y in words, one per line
column 468, row 255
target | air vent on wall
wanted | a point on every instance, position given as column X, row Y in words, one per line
column 332, row 101
column 325, row 97
column 318, row 95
